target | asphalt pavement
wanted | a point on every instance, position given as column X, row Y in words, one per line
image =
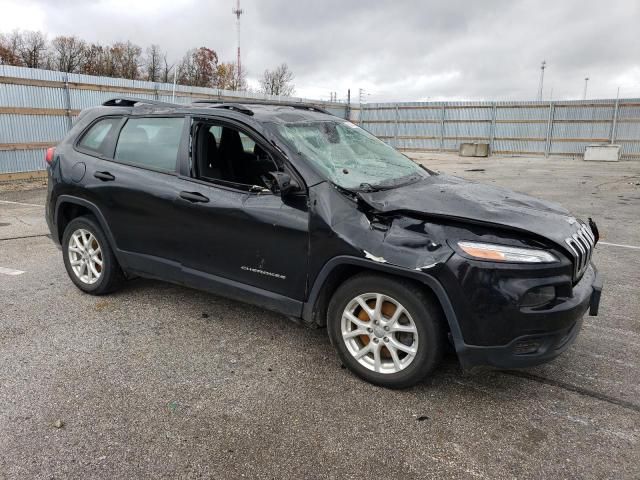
column 159, row 381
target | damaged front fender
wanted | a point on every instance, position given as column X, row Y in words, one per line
column 342, row 232
column 402, row 241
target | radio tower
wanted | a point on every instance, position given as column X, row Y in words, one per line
column 237, row 12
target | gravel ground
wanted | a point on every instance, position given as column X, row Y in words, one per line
column 158, row 381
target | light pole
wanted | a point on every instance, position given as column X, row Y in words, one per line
column 541, row 84
column 586, row 84
column 175, row 79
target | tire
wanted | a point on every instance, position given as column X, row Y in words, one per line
column 419, row 331
column 74, row 250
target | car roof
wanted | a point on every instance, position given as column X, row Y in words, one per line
column 277, row 112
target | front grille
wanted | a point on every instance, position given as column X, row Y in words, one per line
column 581, row 246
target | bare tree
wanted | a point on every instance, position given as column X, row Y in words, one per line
column 278, row 81
column 9, row 48
column 167, row 70
column 93, row 60
column 199, row 68
column 5, row 55
column 185, row 69
column 131, row 61
column 33, row 49
column 227, row 77
column 110, row 65
column 68, row 53
column 153, row 63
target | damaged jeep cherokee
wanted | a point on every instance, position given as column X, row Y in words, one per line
column 301, row 212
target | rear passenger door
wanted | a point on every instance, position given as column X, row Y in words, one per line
column 134, row 186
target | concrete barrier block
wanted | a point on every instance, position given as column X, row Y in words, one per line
column 602, row 153
column 474, row 149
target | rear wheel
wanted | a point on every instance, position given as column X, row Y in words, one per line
column 88, row 257
column 387, row 331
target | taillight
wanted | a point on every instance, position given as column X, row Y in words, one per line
column 49, row 155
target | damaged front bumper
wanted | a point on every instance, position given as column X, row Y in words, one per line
column 540, row 347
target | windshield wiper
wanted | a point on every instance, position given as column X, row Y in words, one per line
column 367, row 187
column 398, row 182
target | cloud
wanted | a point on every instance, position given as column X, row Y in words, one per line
column 407, row 50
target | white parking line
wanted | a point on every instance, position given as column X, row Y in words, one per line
column 619, row 245
column 20, row 203
column 10, row 271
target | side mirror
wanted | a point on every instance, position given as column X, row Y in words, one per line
column 282, row 183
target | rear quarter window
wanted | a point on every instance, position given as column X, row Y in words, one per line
column 96, row 139
column 150, row 142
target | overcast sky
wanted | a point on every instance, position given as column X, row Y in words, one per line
column 395, row 50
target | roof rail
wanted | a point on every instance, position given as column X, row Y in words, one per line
column 300, row 105
column 229, row 106
column 132, row 101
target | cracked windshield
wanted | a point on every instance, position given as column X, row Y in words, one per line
column 349, row 156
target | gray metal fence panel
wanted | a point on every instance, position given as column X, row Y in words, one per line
column 521, row 130
column 22, row 160
column 24, row 128
column 544, row 128
column 29, row 96
column 37, row 106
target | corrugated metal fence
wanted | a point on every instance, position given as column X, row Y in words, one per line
column 37, row 107
column 528, row 128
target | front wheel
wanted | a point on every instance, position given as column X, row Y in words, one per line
column 387, row 331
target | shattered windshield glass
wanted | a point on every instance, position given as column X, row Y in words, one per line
column 349, row 156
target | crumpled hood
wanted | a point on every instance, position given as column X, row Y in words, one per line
column 453, row 197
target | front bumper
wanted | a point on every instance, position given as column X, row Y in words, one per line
column 540, row 347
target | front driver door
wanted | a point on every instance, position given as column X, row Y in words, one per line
column 238, row 232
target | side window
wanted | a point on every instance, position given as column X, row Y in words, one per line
column 229, row 155
column 247, row 144
column 150, row 142
column 215, row 130
column 96, row 139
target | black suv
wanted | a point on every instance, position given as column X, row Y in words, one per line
column 301, row 212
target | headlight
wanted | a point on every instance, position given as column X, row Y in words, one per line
column 503, row 253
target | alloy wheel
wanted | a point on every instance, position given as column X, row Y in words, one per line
column 379, row 333
column 85, row 256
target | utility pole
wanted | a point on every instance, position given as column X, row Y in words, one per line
column 175, row 80
column 615, row 117
column 361, row 95
column 586, row 84
column 541, row 85
column 237, row 12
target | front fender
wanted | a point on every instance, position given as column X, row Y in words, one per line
column 421, row 276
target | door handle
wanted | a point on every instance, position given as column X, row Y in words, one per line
column 194, row 197
column 104, row 176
